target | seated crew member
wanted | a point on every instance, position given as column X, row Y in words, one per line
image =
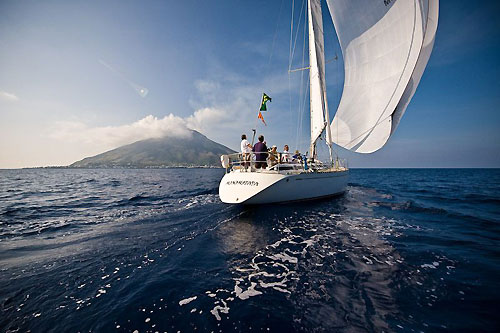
column 260, row 150
column 297, row 157
column 273, row 156
column 285, row 156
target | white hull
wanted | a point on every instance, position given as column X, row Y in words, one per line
column 240, row 187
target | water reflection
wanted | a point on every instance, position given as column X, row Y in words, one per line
column 242, row 235
column 328, row 260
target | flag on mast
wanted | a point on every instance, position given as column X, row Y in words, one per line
column 261, row 118
column 265, row 98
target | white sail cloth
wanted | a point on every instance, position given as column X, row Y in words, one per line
column 317, row 84
column 386, row 45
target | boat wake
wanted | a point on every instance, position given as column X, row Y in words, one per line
column 146, row 258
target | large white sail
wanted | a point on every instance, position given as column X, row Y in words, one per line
column 432, row 11
column 386, row 45
column 317, row 71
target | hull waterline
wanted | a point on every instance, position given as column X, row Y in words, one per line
column 267, row 187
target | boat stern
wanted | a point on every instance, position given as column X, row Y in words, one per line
column 237, row 187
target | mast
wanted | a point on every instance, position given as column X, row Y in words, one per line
column 317, row 91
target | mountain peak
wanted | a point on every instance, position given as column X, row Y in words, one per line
column 194, row 150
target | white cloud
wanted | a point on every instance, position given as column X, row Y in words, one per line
column 207, row 118
column 223, row 110
column 109, row 137
column 204, row 120
column 8, row 96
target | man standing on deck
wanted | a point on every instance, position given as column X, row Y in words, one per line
column 260, row 150
column 246, row 149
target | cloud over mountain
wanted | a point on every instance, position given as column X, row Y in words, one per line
column 113, row 136
column 223, row 109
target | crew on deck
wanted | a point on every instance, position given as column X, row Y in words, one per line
column 297, row 157
column 273, row 156
column 246, row 150
column 260, row 150
column 285, row 156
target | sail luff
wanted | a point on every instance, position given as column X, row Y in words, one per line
column 316, row 72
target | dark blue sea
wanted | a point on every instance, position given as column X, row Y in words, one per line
column 404, row 250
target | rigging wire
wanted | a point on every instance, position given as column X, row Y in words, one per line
column 303, row 107
column 292, row 52
column 291, row 36
column 302, row 93
column 289, row 66
column 271, row 54
column 275, row 34
column 338, row 95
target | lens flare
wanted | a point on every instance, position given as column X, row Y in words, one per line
column 142, row 91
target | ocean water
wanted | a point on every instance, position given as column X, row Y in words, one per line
column 404, row 250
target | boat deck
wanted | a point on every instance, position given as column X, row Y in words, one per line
column 237, row 163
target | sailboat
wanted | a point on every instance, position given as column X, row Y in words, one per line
column 385, row 45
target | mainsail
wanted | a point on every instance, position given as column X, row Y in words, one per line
column 386, row 45
column 317, row 86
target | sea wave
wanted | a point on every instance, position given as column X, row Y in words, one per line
column 147, row 250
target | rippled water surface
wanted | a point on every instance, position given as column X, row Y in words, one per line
column 155, row 250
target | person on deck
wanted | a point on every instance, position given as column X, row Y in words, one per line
column 246, row 150
column 297, row 157
column 260, row 150
column 273, row 156
column 285, row 156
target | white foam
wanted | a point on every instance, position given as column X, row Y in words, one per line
column 434, row 265
column 277, row 264
column 266, row 274
column 247, row 293
column 273, row 284
column 282, row 290
column 284, row 257
column 187, row 300
column 222, row 309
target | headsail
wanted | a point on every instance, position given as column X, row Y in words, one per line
column 386, row 45
column 317, row 72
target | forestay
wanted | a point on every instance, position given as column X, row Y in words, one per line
column 386, row 45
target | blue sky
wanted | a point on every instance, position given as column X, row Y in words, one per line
column 205, row 65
